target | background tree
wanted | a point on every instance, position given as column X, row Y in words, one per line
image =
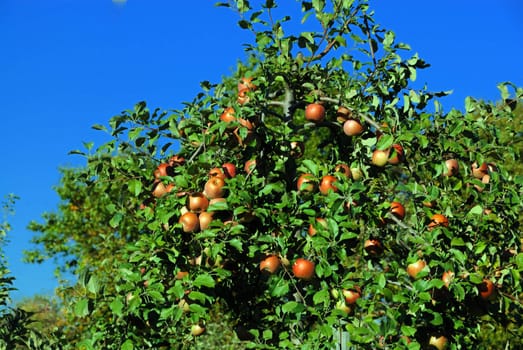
column 403, row 234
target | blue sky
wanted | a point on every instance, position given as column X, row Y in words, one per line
column 69, row 64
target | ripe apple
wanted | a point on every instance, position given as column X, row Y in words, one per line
column 197, row 330
column 229, row 169
column 306, row 183
column 297, row 149
column 415, row 268
column 447, row 278
column 479, row 171
column 270, row 264
column 161, row 189
column 343, row 169
column 243, row 98
column 245, row 84
column 327, row 184
column 351, row 295
column 164, row 169
column 303, row 269
column 352, row 127
column 249, row 166
column 398, row 210
column 438, row 341
column 373, row 247
column 485, row 181
column 320, row 221
column 343, row 114
column 380, row 157
column 486, row 289
column 438, row 220
column 205, row 219
column 190, row 222
column 197, row 202
column 452, row 167
column 176, row 160
column 315, row 112
column 217, row 172
column 397, row 155
column 228, row 115
column 181, row 275
column 214, row 188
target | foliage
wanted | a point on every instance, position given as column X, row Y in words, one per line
column 145, row 280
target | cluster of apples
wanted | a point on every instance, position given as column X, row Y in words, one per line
column 195, row 216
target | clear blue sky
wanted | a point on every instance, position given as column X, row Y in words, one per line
column 68, row 64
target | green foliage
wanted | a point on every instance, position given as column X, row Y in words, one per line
column 145, row 281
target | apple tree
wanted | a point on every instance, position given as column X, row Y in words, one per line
column 315, row 197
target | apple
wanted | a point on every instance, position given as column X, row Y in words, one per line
column 452, row 167
column 315, row 112
column 326, row 184
column 479, row 171
column 249, row 166
column 217, row 172
column 303, row 269
column 343, row 169
column 164, row 169
column 197, row 202
column 398, row 210
column 306, row 183
column 243, row 98
column 485, row 180
column 415, row 268
column 245, row 84
column 447, row 278
column 161, row 189
column 356, row 174
column 438, row 220
column 373, row 247
column 438, row 341
column 397, row 155
column 351, row 295
column 205, row 219
column 352, row 127
column 176, row 160
column 229, row 169
column 320, row 221
column 343, row 114
column 197, row 330
column 214, row 188
column 270, row 264
column 380, row 157
column 228, row 115
column 486, row 289
column 181, row 275
column 342, row 306
column 297, row 149
column 184, row 305
column 190, row 222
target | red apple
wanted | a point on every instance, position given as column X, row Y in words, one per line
column 303, row 269
column 197, row 202
column 352, row 127
column 306, row 183
column 270, row 264
column 229, row 169
column 190, row 222
column 452, row 167
column 438, row 341
column 315, row 112
column 319, row 221
column 214, row 188
column 351, row 295
column 205, row 219
column 327, row 184
column 397, row 155
column 479, row 171
column 415, row 268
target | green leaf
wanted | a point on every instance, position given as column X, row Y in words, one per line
column 81, row 308
column 289, row 306
column 135, row 186
column 116, row 307
column 115, row 220
column 204, row 280
column 127, row 345
column 519, row 261
column 321, row 296
column 476, row 210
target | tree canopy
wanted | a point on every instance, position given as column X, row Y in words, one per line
column 314, row 198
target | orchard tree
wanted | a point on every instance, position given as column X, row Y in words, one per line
column 314, row 197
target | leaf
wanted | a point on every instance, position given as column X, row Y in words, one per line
column 116, row 307
column 115, row 220
column 93, row 286
column 127, row 345
column 289, row 306
column 321, row 296
column 476, row 210
column 204, row 280
column 81, row 308
column 99, row 127
column 135, row 187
